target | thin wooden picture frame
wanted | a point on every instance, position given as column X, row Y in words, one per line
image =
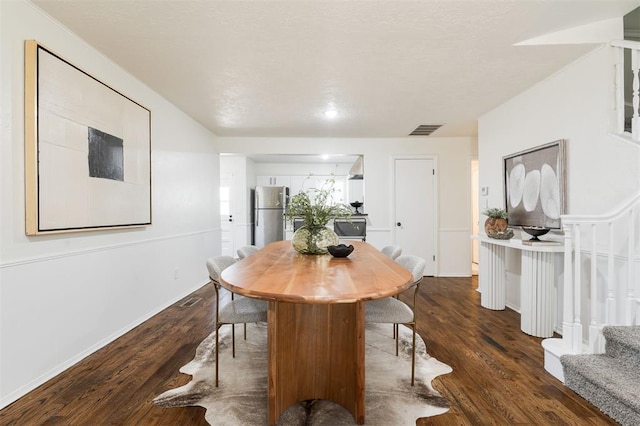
column 87, row 150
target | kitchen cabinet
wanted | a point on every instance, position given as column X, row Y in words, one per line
column 304, row 183
column 297, row 184
column 307, row 182
column 273, row 181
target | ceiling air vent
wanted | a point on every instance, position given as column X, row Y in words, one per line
column 425, row 129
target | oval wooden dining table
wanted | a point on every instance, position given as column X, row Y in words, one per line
column 316, row 322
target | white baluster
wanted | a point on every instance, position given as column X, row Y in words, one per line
column 567, row 302
column 635, row 70
column 618, row 93
column 635, row 260
column 611, row 297
column 577, row 292
column 631, row 282
column 618, row 113
column 593, row 322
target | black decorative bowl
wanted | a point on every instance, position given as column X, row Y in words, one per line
column 356, row 205
column 535, row 231
column 341, row 250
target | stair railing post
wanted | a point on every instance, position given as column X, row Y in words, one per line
column 611, row 297
column 567, row 302
column 635, row 70
column 618, row 114
column 577, row 292
column 618, row 108
column 631, row 273
column 594, row 329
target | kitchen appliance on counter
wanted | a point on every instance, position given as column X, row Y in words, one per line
column 270, row 204
column 354, row 228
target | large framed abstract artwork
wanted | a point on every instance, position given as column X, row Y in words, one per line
column 87, row 150
column 535, row 186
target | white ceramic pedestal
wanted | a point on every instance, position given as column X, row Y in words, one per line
column 537, row 282
column 492, row 278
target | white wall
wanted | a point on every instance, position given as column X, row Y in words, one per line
column 574, row 104
column 453, row 162
column 64, row 296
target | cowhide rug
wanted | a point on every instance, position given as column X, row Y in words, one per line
column 241, row 398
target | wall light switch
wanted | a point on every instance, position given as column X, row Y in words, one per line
column 484, row 190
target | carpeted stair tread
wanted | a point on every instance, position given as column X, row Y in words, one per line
column 623, row 343
column 607, row 383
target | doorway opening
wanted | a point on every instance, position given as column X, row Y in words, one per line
column 475, row 215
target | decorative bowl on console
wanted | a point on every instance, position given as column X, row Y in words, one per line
column 496, row 222
column 500, row 235
column 535, row 231
column 356, row 205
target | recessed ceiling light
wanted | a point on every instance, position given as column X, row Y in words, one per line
column 325, row 156
column 331, row 113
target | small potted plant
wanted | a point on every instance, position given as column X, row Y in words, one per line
column 496, row 225
column 316, row 207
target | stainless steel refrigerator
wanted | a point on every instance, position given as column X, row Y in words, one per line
column 270, row 203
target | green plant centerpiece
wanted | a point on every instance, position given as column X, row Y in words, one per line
column 316, row 207
column 496, row 225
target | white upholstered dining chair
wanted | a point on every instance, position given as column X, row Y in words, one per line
column 391, row 310
column 392, row 251
column 246, row 251
column 238, row 310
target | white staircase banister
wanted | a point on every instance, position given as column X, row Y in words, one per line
column 614, row 214
column 626, row 44
column 610, row 297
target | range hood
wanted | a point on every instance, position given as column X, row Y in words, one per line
column 357, row 170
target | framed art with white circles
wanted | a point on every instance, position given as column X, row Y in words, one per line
column 535, row 185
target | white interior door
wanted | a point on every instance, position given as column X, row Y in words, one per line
column 415, row 209
column 226, row 214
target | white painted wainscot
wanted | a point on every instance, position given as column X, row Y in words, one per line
column 540, row 273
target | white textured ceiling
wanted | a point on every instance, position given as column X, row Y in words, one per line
column 270, row 68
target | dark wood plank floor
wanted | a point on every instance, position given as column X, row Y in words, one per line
column 497, row 377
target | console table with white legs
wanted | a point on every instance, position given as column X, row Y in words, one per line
column 538, row 278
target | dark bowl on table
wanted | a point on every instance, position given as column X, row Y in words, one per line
column 341, row 250
column 356, row 204
column 535, row 231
